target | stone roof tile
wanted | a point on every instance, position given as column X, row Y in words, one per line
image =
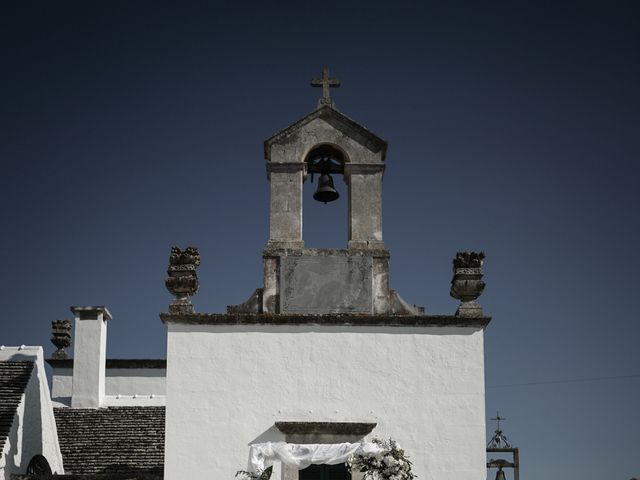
column 114, row 440
column 14, row 377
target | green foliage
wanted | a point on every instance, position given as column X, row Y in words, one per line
column 264, row 475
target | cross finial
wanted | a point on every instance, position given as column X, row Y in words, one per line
column 326, row 83
column 499, row 439
column 497, row 419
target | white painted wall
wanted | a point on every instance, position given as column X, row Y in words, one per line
column 34, row 429
column 62, row 385
column 90, row 355
column 227, row 385
column 125, row 382
column 136, row 381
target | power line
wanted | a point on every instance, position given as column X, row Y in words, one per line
column 570, row 380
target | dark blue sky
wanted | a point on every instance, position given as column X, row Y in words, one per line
column 127, row 127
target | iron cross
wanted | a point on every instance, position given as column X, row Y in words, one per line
column 326, row 83
column 497, row 419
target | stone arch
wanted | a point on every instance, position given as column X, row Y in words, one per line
column 322, row 224
column 327, row 148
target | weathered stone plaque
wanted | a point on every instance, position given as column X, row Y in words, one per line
column 326, row 284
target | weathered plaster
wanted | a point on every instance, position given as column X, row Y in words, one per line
column 365, row 209
column 285, row 224
column 326, row 283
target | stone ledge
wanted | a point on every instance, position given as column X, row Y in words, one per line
column 356, row 168
column 362, row 250
column 285, row 167
column 91, row 313
column 154, row 363
column 325, row 428
column 347, row 319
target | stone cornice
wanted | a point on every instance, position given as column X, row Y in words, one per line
column 153, row 363
column 355, row 320
column 91, row 312
column 285, row 167
column 274, row 251
column 325, row 428
column 366, row 168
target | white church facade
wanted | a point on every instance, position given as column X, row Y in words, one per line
column 324, row 353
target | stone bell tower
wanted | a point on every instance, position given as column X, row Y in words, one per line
column 316, row 281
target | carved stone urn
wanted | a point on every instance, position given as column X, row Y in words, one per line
column 61, row 338
column 467, row 284
column 182, row 280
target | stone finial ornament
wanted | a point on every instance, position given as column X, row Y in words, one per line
column 61, row 338
column 467, row 284
column 182, row 280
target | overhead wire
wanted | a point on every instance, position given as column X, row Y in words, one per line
column 570, row 380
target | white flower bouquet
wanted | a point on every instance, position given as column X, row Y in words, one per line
column 390, row 463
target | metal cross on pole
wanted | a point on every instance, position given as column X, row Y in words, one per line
column 326, row 83
column 499, row 439
column 497, row 419
column 499, row 443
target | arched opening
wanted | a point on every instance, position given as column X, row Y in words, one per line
column 39, row 466
column 325, row 219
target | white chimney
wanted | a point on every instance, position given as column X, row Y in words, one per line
column 89, row 356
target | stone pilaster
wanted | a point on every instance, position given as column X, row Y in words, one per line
column 285, row 213
column 365, row 205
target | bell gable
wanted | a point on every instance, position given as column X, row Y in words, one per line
column 325, row 125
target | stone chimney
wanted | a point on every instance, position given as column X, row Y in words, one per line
column 90, row 355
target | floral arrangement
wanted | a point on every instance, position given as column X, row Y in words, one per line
column 264, row 475
column 390, row 463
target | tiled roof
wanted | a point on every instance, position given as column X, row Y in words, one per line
column 14, row 376
column 114, row 440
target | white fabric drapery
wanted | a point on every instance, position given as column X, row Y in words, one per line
column 262, row 455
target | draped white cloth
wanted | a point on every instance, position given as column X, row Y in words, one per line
column 262, row 455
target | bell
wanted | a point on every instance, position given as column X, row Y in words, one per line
column 325, row 192
column 500, row 475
